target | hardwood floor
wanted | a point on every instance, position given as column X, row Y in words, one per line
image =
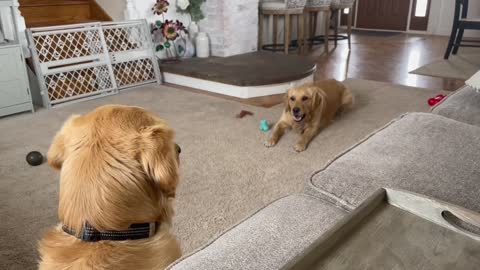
column 378, row 58
column 386, row 59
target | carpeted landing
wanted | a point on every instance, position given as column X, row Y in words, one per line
column 226, row 171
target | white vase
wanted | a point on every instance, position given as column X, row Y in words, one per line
column 162, row 54
column 202, row 45
column 193, row 30
column 180, row 46
column 189, row 48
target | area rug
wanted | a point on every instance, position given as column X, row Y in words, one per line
column 226, row 172
column 460, row 66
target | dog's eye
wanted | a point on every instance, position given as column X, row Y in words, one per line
column 178, row 149
column 304, row 98
column 292, row 98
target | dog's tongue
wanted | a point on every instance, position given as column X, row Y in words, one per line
column 297, row 118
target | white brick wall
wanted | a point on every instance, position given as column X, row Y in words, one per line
column 232, row 26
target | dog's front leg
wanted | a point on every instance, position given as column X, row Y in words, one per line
column 307, row 136
column 277, row 133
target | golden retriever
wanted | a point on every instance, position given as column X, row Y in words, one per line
column 118, row 166
column 309, row 108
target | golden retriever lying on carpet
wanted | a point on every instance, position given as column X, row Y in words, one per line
column 118, row 175
column 309, row 108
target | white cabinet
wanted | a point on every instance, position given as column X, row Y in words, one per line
column 14, row 87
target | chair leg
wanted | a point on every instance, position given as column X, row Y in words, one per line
column 335, row 27
column 311, row 31
column 307, row 27
column 292, row 17
column 275, row 29
column 301, row 34
column 456, row 45
column 287, row 32
column 349, row 26
column 315, row 23
column 327, row 28
column 260, row 31
column 451, row 41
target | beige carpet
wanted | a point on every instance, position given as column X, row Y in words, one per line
column 461, row 66
column 226, row 172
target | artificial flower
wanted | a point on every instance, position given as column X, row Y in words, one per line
column 170, row 30
column 181, row 27
column 160, row 7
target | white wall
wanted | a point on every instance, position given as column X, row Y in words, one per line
column 113, row 8
column 144, row 8
column 232, row 25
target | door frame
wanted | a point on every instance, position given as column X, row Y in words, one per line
column 409, row 19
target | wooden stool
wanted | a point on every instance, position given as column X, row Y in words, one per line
column 311, row 25
column 287, row 9
column 312, row 9
column 337, row 7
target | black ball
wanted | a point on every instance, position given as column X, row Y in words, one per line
column 34, row 158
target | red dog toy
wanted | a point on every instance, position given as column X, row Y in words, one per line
column 433, row 101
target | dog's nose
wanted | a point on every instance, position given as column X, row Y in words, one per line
column 296, row 110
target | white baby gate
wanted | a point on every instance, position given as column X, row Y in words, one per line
column 84, row 61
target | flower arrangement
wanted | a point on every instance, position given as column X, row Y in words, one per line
column 165, row 32
column 192, row 7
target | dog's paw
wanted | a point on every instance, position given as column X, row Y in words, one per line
column 269, row 143
column 300, row 147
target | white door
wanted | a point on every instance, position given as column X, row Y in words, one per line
column 13, row 85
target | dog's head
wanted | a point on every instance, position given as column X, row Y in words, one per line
column 119, row 166
column 301, row 102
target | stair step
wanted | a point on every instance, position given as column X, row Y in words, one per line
column 38, row 13
column 42, row 3
column 62, row 22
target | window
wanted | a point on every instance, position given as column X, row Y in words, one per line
column 421, row 8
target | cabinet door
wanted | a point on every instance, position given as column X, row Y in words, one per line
column 13, row 81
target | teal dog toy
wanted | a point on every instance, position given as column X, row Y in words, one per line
column 264, row 125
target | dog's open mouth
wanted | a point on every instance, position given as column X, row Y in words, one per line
column 298, row 118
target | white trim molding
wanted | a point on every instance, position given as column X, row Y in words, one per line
column 234, row 90
column 21, row 27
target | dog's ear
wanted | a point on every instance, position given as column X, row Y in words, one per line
column 158, row 158
column 318, row 100
column 56, row 153
column 287, row 104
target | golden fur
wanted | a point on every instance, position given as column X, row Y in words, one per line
column 118, row 166
column 309, row 108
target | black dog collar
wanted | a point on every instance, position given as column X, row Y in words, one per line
column 134, row 232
